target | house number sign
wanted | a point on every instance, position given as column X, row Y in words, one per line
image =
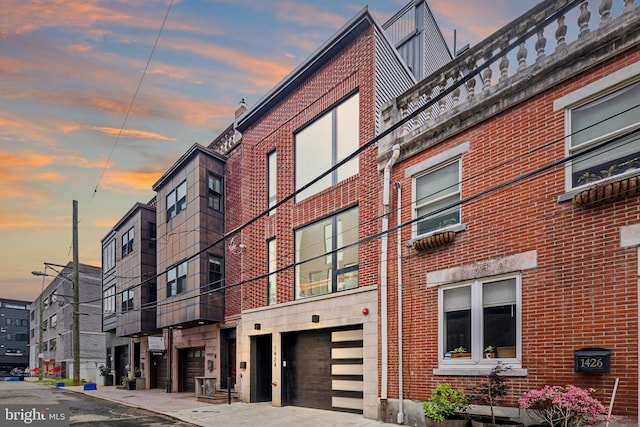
column 592, row 360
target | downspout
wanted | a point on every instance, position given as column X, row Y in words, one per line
column 399, row 258
column 383, row 274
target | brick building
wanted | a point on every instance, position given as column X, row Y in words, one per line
column 514, row 190
column 308, row 333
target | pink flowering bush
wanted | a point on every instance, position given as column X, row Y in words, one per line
column 568, row 406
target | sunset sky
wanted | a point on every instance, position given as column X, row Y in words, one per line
column 69, row 70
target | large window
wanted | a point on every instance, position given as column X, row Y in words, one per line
column 177, row 279
column 109, row 256
column 214, row 192
column 272, row 266
column 479, row 315
column 127, row 242
column 324, row 143
column 177, row 200
column 109, row 298
column 602, row 119
column 327, row 255
column 434, row 191
column 127, row 300
column 272, row 179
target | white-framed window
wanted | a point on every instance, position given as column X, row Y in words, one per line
column 272, row 180
column 479, row 314
column 53, row 321
column 127, row 242
column 432, row 192
column 214, row 192
column 272, row 265
column 177, row 279
column 327, row 255
column 324, row 143
column 177, row 200
column 605, row 118
column 109, row 301
column 109, row 256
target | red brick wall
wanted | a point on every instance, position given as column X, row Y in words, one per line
column 349, row 70
column 583, row 292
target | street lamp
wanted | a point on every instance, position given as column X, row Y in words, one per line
column 40, row 355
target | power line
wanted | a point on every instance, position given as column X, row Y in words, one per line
column 542, row 169
column 471, row 74
column 133, row 100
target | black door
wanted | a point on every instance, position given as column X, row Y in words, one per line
column 122, row 360
column 261, row 372
column 158, row 370
column 306, row 369
column 227, row 358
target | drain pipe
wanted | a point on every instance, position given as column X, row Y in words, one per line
column 383, row 278
column 399, row 257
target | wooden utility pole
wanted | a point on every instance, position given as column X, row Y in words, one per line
column 76, row 299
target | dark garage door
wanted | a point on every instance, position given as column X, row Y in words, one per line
column 192, row 366
column 324, row 369
column 307, row 369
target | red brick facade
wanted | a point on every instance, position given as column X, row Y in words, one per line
column 350, row 70
column 583, row 291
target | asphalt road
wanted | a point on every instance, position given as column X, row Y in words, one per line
column 84, row 410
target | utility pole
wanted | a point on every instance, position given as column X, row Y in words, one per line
column 76, row 299
column 40, row 347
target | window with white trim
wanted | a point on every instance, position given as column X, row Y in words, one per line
column 433, row 191
column 177, row 200
column 607, row 118
column 478, row 315
column 324, row 143
column 177, row 279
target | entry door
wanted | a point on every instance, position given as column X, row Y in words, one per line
column 228, row 358
column 122, row 360
column 158, row 370
column 261, row 368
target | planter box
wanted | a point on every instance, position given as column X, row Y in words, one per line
column 609, row 191
column 434, row 240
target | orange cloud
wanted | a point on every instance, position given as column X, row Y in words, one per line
column 12, row 221
column 133, row 133
column 124, row 181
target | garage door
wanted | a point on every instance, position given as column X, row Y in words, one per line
column 324, row 369
column 192, row 366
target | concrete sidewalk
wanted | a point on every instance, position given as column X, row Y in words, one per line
column 185, row 407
